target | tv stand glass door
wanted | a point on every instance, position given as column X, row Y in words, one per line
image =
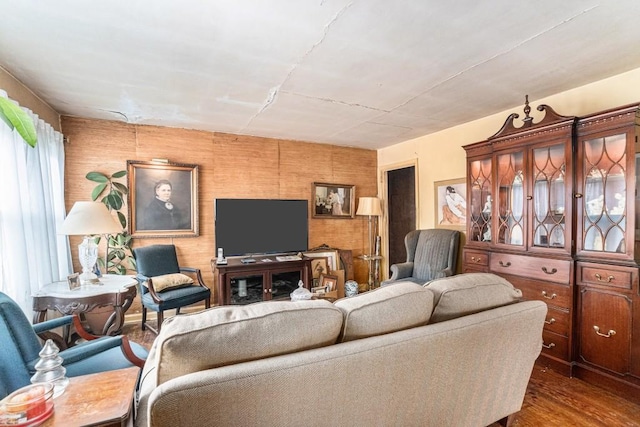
column 266, row 279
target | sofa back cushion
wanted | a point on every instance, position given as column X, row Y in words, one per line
column 401, row 305
column 470, row 293
column 232, row 334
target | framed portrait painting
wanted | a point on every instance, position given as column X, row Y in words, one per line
column 163, row 199
column 451, row 204
column 333, row 200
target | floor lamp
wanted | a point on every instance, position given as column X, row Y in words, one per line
column 370, row 207
column 87, row 219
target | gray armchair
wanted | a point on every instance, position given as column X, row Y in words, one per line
column 431, row 254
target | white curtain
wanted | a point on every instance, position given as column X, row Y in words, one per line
column 31, row 204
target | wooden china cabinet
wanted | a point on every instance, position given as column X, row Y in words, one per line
column 608, row 249
column 565, row 235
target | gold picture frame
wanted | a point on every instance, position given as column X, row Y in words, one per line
column 333, row 200
column 151, row 214
column 329, row 281
column 451, row 203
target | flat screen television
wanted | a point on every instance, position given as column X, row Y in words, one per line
column 246, row 227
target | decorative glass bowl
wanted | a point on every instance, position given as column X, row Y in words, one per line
column 28, row 406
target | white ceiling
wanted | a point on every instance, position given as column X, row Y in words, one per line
column 363, row 73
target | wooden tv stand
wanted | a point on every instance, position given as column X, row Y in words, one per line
column 266, row 279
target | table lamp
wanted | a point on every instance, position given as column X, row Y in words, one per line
column 370, row 206
column 87, row 219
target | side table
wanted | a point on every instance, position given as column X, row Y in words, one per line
column 102, row 399
column 374, row 269
column 116, row 291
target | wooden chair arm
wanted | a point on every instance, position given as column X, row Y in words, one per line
column 129, row 354
column 81, row 331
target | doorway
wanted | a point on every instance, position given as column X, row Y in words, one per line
column 401, row 209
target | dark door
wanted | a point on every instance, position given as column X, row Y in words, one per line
column 401, row 189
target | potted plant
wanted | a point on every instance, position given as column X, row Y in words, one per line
column 118, row 256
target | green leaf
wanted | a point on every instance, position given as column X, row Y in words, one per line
column 97, row 177
column 119, row 174
column 114, row 200
column 97, row 191
column 122, row 188
column 122, row 219
column 19, row 120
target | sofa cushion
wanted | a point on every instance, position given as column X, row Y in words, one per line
column 232, row 334
column 170, row 281
column 469, row 293
column 395, row 307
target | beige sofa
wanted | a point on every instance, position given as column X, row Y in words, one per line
column 456, row 352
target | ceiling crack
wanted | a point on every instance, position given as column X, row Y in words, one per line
column 274, row 90
column 335, row 101
column 497, row 55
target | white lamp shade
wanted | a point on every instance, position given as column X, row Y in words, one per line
column 87, row 218
column 369, row 206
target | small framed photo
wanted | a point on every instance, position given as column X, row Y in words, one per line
column 74, row 281
column 332, row 257
column 329, row 281
column 163, row 199
column 319, row 266
column 451, row 204
column 319, row 290
column 333, row 200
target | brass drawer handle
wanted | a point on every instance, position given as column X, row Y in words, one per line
column 578, row 196
column 474, row 259
column 553, row 270
column 505, row 264
column 548, row 346
column 600, row 279
column 607, row 335
column 529, row 197
column 550, row 321
column 545, row 295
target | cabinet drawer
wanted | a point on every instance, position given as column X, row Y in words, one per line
column 551, row 293
column 549, row 270
column 472, row 258
column 606, row 275
column 555, row 345
column 557, row 321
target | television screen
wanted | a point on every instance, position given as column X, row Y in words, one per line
column 261, row 226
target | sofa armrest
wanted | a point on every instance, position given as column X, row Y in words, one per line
column 402, row 270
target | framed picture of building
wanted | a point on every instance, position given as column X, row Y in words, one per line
column 163, row 199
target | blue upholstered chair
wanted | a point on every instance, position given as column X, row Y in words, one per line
column 160, row 262
column 431, row 254
column 20, row 345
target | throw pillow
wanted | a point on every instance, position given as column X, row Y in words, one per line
column 227, row 335
column 470, row 293
column 391, row 308
column 170, row 281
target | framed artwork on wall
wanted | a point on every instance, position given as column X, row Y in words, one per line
column 333, row 200
column 163, row 199
column 451, row 204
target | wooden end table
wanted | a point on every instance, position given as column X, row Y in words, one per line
column 102, row 399
column 115, row 290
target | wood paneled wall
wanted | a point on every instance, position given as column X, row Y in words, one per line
column 230, row 166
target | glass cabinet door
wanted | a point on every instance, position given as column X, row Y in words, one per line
column 480, row 200
column 604, row 192
column 510, row 199
column 548, row 217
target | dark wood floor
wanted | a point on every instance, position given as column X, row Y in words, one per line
column 551, row 400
